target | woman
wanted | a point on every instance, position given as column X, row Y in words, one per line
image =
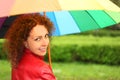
column 27, row 41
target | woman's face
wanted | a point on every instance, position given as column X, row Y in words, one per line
column 38, row 40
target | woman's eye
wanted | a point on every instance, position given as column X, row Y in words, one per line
column 37, row 39
column 47, row 36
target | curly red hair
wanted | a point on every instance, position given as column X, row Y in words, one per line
column 19, row 32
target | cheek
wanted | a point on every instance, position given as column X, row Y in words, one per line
column 33, row 44
column 48, row 41
column 30, row 45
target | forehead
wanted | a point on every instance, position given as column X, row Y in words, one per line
column 38, row 30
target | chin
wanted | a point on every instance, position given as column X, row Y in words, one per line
column 42, row 54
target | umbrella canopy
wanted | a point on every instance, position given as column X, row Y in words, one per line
column 82, row 20
column 67, row 22
column 14, row 7
column 5, row 23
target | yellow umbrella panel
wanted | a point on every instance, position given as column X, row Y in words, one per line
column 14, row 7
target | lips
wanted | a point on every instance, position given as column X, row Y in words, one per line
column 43, row 49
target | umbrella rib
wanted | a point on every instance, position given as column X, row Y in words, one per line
column 110, row 17
column 74, row 21
column 56, row 23
column 92, row 18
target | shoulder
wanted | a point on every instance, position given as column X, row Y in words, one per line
column 32, row 65
column 39, row 70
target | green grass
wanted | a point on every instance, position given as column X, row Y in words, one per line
column 85, row 40
column 73, row 71
column 5, row 70
column 81, row 71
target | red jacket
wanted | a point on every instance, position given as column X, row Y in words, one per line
column 32, row 67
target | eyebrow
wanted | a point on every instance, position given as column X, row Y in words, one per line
column 41, row 35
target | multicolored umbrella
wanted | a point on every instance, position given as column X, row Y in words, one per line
column 69, row 22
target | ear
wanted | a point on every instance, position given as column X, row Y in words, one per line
column 25, row 44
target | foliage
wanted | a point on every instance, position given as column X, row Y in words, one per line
column 93, row 54
column 117, row 2
column 104, row 32
column 3, row 55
